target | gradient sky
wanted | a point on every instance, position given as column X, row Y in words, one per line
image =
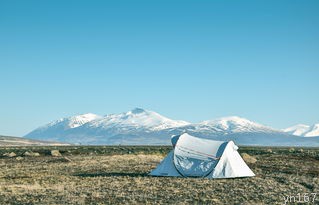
column 190, row 60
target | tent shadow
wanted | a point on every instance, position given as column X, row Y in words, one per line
column 111, row 174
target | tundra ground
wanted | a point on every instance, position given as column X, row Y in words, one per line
column 119, row 175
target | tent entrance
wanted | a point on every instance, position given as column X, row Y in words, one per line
column 193, row 163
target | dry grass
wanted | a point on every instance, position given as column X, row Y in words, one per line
column 97, row 178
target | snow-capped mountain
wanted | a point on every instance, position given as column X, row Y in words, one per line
column 313, row 131
column 94, row 129
column 72, row 122
column 303, row 130
column 57, row 129
column 135, row 120
column 234, row 124
column 140, row 126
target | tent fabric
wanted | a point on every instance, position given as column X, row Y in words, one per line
column 166, row 167
column 174, row 139
column 197, row 157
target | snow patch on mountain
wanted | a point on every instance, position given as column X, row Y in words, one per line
column 73, row 122
column 235, row 124
column 298, row 130
column 313, row 131
column 137, row 118
column 57, row 129
column 303, row 130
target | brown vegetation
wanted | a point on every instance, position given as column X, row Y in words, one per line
column 119, row 175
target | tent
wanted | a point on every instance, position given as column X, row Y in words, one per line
column 197, row 157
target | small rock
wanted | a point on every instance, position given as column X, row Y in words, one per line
column 249, row 159
column 19, row 158
column 11, row 154
column 31, row 154
column 269, row 150
column 67, row 159
column 56, row 153
column 59, row 160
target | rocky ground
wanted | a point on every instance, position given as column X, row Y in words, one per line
column 119, row 175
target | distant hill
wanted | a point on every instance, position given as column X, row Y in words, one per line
column 19, row 141
column 143, row 127
column 304, row 130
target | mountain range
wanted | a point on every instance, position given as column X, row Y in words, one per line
column 144, row 127
column 303, row 130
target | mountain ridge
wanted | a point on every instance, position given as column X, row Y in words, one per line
column 303, row 130
column 140, row 126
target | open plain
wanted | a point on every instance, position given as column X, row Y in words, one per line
column 119, row 175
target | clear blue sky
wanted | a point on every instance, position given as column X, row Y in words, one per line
column 190, row 60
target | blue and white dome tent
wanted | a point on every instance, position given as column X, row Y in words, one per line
column 197, row 157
